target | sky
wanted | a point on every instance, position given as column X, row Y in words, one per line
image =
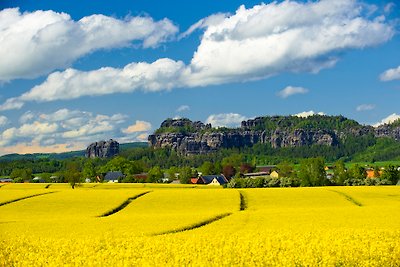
column 75, row 72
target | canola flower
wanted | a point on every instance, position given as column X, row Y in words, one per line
column 280, row 227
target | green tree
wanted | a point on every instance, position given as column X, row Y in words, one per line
column 72, row 174
column 185, row 174
column 207, row 168
column 285, row 169
column 357, row 172
column 155, row 174
column 340, row 173
column 312, row 172
column 89, row 170
column 391, row 174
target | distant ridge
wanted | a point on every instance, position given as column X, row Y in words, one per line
column 64, row 155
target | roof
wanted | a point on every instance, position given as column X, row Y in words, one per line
column 255, row 174
column 208, row 179
column 194, row 180
column 113, row 176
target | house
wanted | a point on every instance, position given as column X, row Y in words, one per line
column 274, row 174
column 113, row 177
column 255, row 174
column 371, row 173
column 141, row 176
column 6, row 180
column 38, row 180
column 212, row 180
column 266, row 168
column 54, row 179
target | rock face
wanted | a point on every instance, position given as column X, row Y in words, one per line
column 102, row 149
column 188, row 138
column 388, row 130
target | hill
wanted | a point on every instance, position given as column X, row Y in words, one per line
column 331, row 137
column 64, row 155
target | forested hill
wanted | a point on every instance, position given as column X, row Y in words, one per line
column 192, row 138
column 64, row 155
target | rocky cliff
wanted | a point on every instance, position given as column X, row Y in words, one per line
column 102, row 149
column 188, row 138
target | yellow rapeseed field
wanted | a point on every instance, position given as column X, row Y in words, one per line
column 151, row 225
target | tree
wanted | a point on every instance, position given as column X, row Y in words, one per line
column 72, row 174
column 312, row 172
column 185, row 174
column 357, row 172
column 228, row 171
column 207, row 168
column 377, row 174
column 391, row 174
column 246, row 168
column 89, row 170
column 285, row 169
column 339, row 172
column 155, row 174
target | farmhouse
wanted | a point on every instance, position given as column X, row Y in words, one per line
column 266, row 168
column 212, row 180
column 113, row 177
column 255, row 174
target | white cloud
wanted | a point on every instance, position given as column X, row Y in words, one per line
column 3, row 120
column 162, row 74
column 253, row 43
column 204, row 23
column 389, row 119
column 389, row 7
column 225, row 120
column 390, row 74
column 281, row 37
column 35, row 43
column 291, row 90
column 66, row 130
column 365, row 107
column 138, row 126
column 26, row 117
column 183, row 108
column 306, row 114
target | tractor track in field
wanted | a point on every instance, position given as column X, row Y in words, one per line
column 123, row 205
column 348, row 198
column 196, row 225
column 22, row 198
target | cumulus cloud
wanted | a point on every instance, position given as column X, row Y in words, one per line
column 365, row 107
column 226, row 120
column 390, row 74
column 3, row 120
column 138, row 126
column 60, row 128
column 183, row 108
column 253, row 43
column 162, row 74
column 291, row 90
column 287, row 36
column 389, row 7
column 306, row 114
column 35, row 43
column 389, row 119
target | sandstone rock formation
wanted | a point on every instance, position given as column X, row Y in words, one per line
column 102, row 149
column 188, row 138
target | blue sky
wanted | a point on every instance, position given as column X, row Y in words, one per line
column 74, row 72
